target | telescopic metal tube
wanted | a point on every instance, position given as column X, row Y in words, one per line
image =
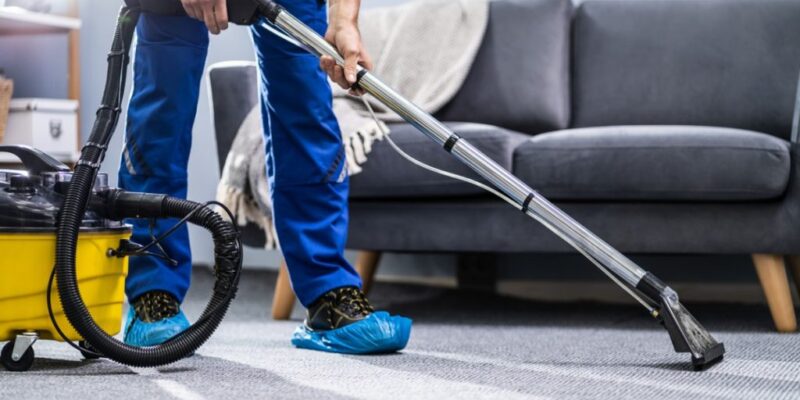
column 686, row 334
column 537, row 207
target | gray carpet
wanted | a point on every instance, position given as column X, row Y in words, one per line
column 463, row 346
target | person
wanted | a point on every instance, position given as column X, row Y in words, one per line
column 305, row 165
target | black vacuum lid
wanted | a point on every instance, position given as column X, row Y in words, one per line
column 31, row 199
column 33, row 202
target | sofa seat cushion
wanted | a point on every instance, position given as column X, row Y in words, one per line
column 387, row 175
column 655, row 163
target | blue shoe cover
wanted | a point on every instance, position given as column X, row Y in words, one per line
column 378, row 333
column 143, row 334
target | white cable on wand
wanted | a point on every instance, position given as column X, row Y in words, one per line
column 497, row 193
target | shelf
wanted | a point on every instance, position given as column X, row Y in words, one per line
column 17, row 21
column 6, row 158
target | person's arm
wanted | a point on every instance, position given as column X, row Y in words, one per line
column 343, row 33
column 213, row 12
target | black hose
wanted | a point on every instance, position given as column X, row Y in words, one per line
column 227, row 247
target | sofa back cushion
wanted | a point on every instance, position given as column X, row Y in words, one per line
column 731, row 63
column 520, row 77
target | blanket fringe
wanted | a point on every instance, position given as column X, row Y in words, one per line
column 359, row 144
column 245, row 209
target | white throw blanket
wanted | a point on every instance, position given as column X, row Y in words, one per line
column 424, row 49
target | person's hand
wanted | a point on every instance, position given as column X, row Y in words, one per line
column 213, row 12
column 344, row 35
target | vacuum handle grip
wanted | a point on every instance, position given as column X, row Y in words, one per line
column 240, row 12
column 35, row 160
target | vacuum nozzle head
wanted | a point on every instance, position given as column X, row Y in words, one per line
column 687, row 335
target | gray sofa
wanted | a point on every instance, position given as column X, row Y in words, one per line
column 662, row 125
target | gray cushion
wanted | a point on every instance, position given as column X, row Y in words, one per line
column 730, row 63
column 491, row 225
column 520, row 78
column 234, row 92
column 387, row 175
column 657, row 163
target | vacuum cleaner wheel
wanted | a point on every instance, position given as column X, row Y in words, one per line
column 23, row 364
column 88, row 351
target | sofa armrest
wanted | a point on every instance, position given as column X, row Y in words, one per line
column 796, row 115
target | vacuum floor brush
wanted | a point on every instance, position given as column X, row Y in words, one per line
column 661, row 302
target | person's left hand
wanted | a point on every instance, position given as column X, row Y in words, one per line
column 344, row 35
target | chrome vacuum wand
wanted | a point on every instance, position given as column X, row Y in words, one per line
column 662, row 302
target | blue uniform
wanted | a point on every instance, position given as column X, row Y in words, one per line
column 306, row 162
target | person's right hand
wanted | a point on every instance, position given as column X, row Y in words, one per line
column 213, row 12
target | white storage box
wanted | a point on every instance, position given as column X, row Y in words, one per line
column 49, row 125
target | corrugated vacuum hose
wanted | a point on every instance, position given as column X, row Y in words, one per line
column 119, row 204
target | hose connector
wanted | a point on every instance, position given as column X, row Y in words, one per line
column 119, row 204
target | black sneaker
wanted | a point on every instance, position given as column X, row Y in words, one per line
column 338, row 308
column 156, row 306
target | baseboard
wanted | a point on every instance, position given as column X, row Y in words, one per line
column 742, row 293
column 435, row 281
column 570, row 291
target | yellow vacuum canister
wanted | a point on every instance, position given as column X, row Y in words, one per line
column 25, row 267
column 29, row 204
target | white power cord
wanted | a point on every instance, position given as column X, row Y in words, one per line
column 277, row 31
column 508, row 200
column 428, row 167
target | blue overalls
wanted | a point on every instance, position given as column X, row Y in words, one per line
column 305, row 156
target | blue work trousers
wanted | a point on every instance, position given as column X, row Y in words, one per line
column 305, row 156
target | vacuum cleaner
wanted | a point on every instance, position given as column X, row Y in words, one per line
column 51, row 215
column 661, row 302
column 33, row 210
column 29, row 204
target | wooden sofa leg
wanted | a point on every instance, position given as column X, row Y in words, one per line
column 283, row 301
column 366, row 265
column 771, row 272
column 794, row 265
